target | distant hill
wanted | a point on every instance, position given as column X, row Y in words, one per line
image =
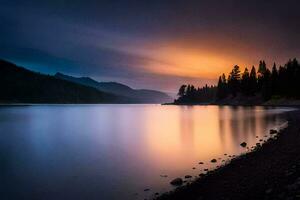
column 138, row 96
column 19, row 85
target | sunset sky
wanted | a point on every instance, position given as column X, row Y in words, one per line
column 155, row 44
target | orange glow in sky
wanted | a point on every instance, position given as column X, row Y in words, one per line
column 183, row 61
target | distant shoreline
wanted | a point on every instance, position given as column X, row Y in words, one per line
column 278, row 102
column 269, row 172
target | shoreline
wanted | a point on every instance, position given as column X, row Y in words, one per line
column 272, row 171
column 273, row 102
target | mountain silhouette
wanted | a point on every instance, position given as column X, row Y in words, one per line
column 137, row 96
column 19, row 85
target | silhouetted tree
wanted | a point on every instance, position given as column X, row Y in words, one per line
column 181, row 91
column 280, row 82
column 222, row 87
column 252, row 82
column 234, row 80
column 275, row 80
column 245, row 82
column 262, row 68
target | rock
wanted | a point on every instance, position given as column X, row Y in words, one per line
column 243, row 144
column 156, row 193
column 206, row 170
column 213, row 160
column 164, row 176
column 176, row 181
column 188, row 176
column 194, row 168
column 225, row 154
column 201, row 163
column 272, row 131
column 146, row 190
column 268, row 191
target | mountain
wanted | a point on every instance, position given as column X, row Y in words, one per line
column 138, row 96
column 19, row 85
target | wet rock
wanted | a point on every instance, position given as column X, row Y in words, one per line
column 269, row 191
column 176, row 182
column 243, row 144
column 188, row 176
column 289, row 173
column 146, row 190
column 156, row 193
column 213, row 160
column 272, row 131
column 206, row 170
column 292, row 187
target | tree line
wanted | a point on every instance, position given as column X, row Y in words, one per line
column 279, row 82
column 188, row 94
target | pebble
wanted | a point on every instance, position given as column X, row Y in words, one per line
column 188, row 176
column 268, row 191
column 243, row 144
column 176, row 182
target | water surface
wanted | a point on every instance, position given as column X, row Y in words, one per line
column 116, row 151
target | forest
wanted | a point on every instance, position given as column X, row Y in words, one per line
column 264, row 83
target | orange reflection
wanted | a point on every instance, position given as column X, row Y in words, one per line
column 178, row 137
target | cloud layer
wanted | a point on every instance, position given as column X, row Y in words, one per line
column 155, row 44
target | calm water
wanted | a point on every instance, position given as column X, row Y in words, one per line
column 116, row 151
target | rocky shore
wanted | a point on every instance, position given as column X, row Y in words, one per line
column 272, row 171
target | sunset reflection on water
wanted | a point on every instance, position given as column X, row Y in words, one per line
column 116, row 151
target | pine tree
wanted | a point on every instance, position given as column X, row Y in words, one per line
column 234, row 80
column 245, row 82
column 274, row 80
column 181, row 91
column 253, row 81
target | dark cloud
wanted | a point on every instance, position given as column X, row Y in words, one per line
column 110, row 39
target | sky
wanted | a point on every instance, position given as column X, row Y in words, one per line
column 153, row 44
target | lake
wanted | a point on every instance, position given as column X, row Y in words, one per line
column 117, row 151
